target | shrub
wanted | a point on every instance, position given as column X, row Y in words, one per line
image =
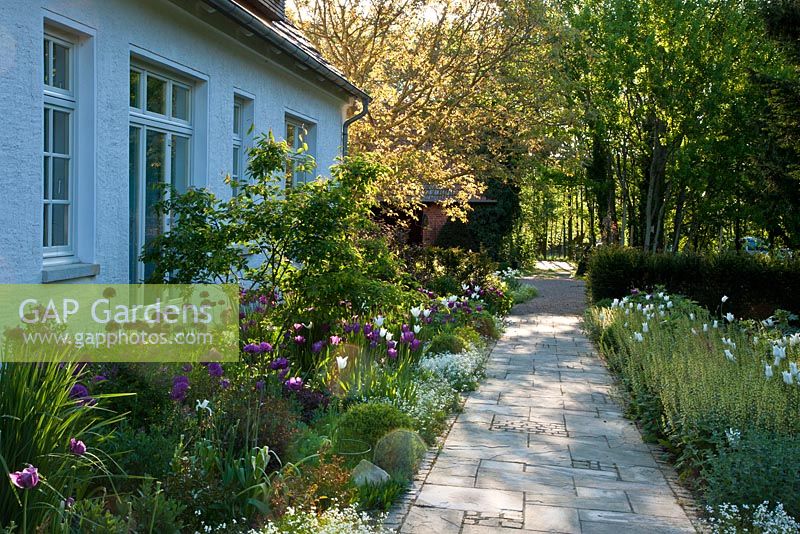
column 399, row 453
column 446, row 342
column 756, row 285
column 91, row 515
column 486, row 325
column 755, row 467
column 140, row 453
column 468, row 335
column 369, row 422
column 152, row 511
column 444, row 270
column 524, row 293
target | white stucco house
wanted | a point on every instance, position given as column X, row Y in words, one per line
column 99, row 99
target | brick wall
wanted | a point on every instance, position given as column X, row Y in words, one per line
column 434, row 219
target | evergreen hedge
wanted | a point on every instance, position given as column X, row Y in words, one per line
column 756, row 285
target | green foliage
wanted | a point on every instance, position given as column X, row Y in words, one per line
column 754, row 468
column 315, row 486
column 444, row 270
column 523, row 293
column 38, row 420
column 380, row 497
column 485, row 324
column 756, row 286
column 447, row 342
column 91, row 516
column 138, row 452
column 152, row 512
column 688, row 393
column 368, row 422
column 468, row 335
column 399, row 453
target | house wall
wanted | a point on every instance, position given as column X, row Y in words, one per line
column 434, row 219
column 168, row 34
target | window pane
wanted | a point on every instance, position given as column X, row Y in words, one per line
column 46, row 130
column 237, row 119
column 60, row 179
column 290, row 134
column 136, row 89
column 46, row 232
column 46, row 177
column 156, row 144
column 60, row 67
column 134, row 249
column 156, row 95
column 47, row 62
column 60, row 226
column 236, row 155
column 180, row 102
column 60, row 132
column 180, row 163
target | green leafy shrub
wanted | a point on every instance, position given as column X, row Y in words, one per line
column 139, row 453
column 468, row 335
column 523, row 293
column 447, row 342
column 91, row 515
column 756, row 285
column 444, row 270
column 399, row 453
column 486, row 325
column 369, row 422
column 312, row 486
column 755, row 467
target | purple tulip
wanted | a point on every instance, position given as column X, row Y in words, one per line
column 187, row 368
column 265, row 347
column 280, row 363
column 26, row 479
column 391, row 344
column 77, row 447
column 294, row 384
column 297, row 326
column 415, row 344
column 260, row 385
column 215, row 369
column 368, row 329
column 68, row 502
column 335, row 340
column 99, row 378
column 299, row 340
column 404, row 328
column 224, row 383
column 78, row 391
column 392, row 353
column 282, row 374
column 317, row 346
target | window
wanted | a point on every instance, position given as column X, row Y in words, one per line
column 237, row 165
column 298, row 133
column 160, row 139
column 60, row 105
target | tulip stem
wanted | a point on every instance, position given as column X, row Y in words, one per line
column 25, row 512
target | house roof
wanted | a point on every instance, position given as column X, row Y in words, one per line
column 435, row 195
column 283, row 35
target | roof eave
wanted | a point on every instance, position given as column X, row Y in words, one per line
column 245, row 18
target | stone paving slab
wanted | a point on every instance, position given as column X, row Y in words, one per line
column 542, row 446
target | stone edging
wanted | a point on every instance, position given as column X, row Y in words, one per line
column 397, row 514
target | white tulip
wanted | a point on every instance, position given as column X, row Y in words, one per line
column 793, row 368
column 768, row 370
column 417, row 328
column 716, row 324
column 705, row 327
column 388, row 336
column 415, row 312
column 645, row 328
column 341, row 361
column 615, row 303
column 729, row 355
column 691, row 317
column 778, row 351
column 382, row 332
column 426, row 313
column 638, row 337
column 729, row 317
column 787, row 377
column 694, row 331
column 379, row 320
column 725, row 298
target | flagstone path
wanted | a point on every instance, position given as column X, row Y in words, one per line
column 541, row 446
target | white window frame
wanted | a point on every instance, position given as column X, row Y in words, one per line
column 237, row 139
column 245, row 103
column 305, row 130
column 62, row 100
column 171, row 127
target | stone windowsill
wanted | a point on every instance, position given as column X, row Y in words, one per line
column 68, row 271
